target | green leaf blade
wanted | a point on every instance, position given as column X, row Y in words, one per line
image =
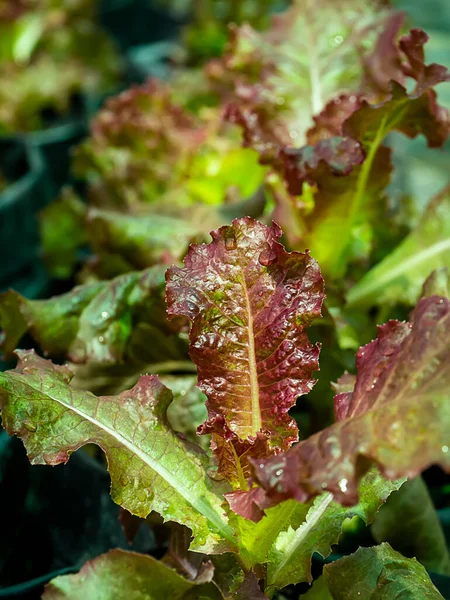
column 379, row 573
column 151, row 468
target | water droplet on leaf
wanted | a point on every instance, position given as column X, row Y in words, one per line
column 29, row 426
column 343, row 485
column 267, row 258
column 230, row 243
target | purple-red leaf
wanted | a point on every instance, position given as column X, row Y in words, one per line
column 250, row 303
column 398, row 415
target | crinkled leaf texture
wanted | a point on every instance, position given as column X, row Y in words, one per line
column 349, row 180
column 399, row 277
column 284, row 76
column 250, row 303
column 337, row 181
column 397, row 415
column 379, row 573
column 121, row 574
column 151, row 467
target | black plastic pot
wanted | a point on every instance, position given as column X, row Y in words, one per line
column 55, row 144
column 137, row 22
column 56, row 518
column 29, row 189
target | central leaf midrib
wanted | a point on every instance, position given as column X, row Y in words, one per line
column 203, row 508
column 254, row 385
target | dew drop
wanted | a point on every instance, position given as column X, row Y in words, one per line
column 29, row 426
column 267, row 258
column 293, row 134
column 105, row 315
column 324, row 485
column 101, row 339
column 230, row 243
column 279, row 472
column 445, row 449
column 343, row 485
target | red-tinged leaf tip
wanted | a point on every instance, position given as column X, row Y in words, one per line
column 384, row 63
column 412, row 45
column 250, row 303
column 328, row 123
column 247, row 503
column 130, row 525
column 397, row 417
column 30, row 362
column 249, row 589
column 327, row 159
column 232, row 453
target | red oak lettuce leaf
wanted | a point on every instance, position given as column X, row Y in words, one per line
column 318, row 164
column 412, row 46
column 384, row 63
column 354, row 204
column 362, row 115
column 233, row 453
column 249, row 589
column 397, row 415
column 139, row 123
column 281, row 78
column 250, row 303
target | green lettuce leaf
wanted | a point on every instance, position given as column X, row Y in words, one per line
column 151, row 468
column 289, row 534
column 410, row 523
column 399, row 277
column 250, row 303
column 379, row 573
column 102, row 322
column 140, row 577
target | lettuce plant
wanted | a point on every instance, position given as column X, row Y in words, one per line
column 319, row 114
column 257, row 504
column 195, row 156
column 55, row 42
